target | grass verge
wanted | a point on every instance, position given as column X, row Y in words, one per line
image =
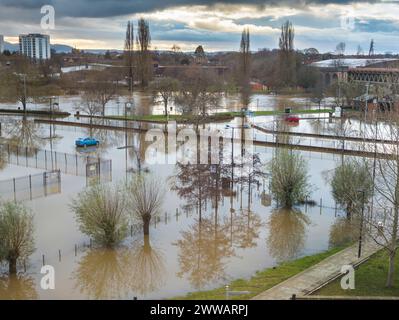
column 370, row 278
column 221, row 116
column 262, row 280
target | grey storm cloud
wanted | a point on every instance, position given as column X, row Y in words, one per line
column 110, row 8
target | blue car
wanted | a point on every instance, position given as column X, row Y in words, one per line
column 86, row 142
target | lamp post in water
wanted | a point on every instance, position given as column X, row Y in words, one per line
column 362, row 191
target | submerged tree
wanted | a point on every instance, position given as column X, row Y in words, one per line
column 101, row 214
column 348, row 179
column 16, row 234
column 145, row 197
column 164, row 90
column 289, row 183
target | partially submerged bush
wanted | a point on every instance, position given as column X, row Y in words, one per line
column 289, row 185
column 101, row 213
column 16, row 234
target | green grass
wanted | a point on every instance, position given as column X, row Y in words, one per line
column 221, row 116
column 370, row 279
column 262, row 280
column 178, row 118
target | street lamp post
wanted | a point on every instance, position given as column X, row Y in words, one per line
column 127, row 105
column 361, row 225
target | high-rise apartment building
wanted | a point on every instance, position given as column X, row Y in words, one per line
column 35, row 46
column 1, row 44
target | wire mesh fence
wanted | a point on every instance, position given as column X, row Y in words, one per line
column 31, row 187
column 73, row 164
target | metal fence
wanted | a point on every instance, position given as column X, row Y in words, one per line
column 31, row 187
column 73, row 164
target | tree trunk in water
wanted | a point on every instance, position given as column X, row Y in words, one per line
column 391, row 270
column 166, row 108
column 146, row 225
column 12, row 266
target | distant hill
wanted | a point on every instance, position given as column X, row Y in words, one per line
column 57, row 47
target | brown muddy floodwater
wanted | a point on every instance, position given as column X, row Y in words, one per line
column 240, row 231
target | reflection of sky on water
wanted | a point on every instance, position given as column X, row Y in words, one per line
column 191, row 257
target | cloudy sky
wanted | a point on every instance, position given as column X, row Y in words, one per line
column 101, row 24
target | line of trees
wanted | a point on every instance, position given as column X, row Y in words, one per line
column 138, row 59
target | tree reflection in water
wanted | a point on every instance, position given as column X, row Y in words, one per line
column 17, row 287
column 3, row 158
column 120, row 273
column 343, row 231
column 149, row 268
column 24, row 133
column 203, row 249
column 244, row 228
column 287, row 233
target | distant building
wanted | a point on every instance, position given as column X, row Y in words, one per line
column 200, row 56
column 1, row 44
column 35, row 46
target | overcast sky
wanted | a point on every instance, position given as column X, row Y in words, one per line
column 217, row 25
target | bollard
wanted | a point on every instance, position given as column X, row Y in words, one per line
column 43, row 260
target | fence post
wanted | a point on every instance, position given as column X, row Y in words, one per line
column 45, row 159
column 45, row 184
column 30, row 187
column 26, row 156
column 76, row 163
column 15, row 196
column 59, row 180
column 59, row 255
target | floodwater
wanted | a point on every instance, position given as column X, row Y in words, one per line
column 238, row 233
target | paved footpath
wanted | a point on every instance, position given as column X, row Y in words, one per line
column 319, row 274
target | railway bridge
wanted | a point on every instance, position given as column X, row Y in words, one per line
column 374, row 75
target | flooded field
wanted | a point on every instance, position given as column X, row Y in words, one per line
column 236, row 237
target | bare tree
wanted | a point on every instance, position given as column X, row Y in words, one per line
column 164, row 91
column 145, row 197
column 16, row 234
column 199, row 94
column 340, row 49
column 371, row 49
column 101, row 214
column 384, row 224
column 100, row 89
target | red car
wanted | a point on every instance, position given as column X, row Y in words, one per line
column 292, row 119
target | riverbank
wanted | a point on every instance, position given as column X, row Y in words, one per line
column 370, row 279
column 262, row 280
